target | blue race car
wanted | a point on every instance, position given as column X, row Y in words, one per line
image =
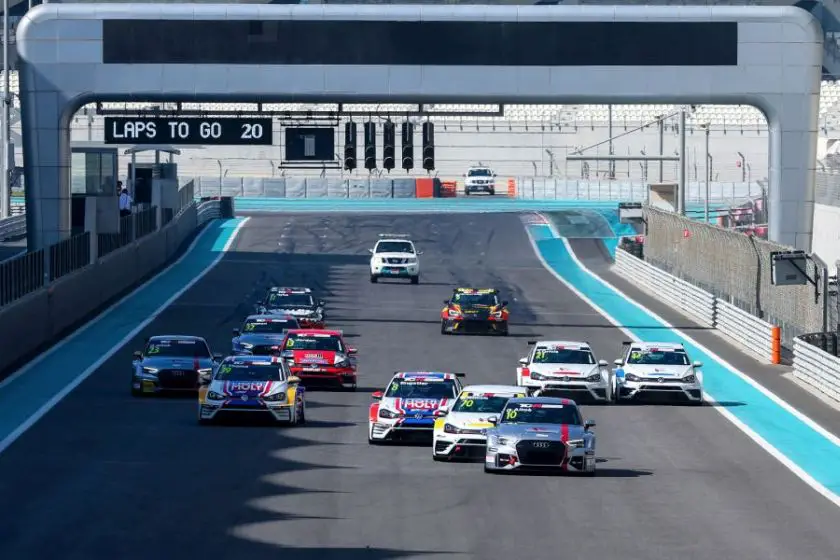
column 174, row 363
column 262, row 335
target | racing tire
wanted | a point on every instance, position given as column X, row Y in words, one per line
column 415, row 279
column 204, row 422
column 492, row 192
column 439, row 458
column 136, row 393
column 443, row 329
column 373, row 278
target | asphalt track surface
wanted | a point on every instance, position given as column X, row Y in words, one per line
column 107, row 476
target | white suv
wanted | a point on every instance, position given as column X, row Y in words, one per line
column 479, row 179
column 394, row 256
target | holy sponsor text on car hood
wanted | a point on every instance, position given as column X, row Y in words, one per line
column 247, row 390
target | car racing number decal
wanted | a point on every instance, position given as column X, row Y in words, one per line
column 290, row 343
column 225, row 370
column 153, row 349
column 469, row 403
column 395, row 387
column 540, row 354
column 250, row 326
column 510, row 414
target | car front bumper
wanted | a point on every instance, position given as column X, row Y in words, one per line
column 510, row 458
column 395, row 270
column 474, row 326
column 654, row 390
column 396, row 430
column 575, row 389
column 217, row 410
column 459, row 446
column 325, row 377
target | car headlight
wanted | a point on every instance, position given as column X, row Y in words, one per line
column 245, row 345
column 276, row 397
column 341, row 362
column 537, row 376
column 385, row 413
column 450, row 429
column 575, row 443
column 690, row 379
column 453, row 313
column 497, row 314
column 410, row 261
column 594, row 378
column 503, row 441
column 631, row 377
column 150, row 370
column 214, row 396
column 205, row 371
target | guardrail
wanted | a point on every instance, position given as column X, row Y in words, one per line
column 816, row 367
column 12, row 227
column 760, row 338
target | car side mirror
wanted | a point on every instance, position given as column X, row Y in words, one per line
column 204, row 380
column 446, row 302
column 420, row 252
column 619, row 363
column 376, row 395
column 603, row 363
column 293, row 380
column 504, row 304
column 440, row 413
column 523, row 361
column 138, row 355
column 698, row 364
column 235, row 332
column 370, row 251
column 588, row 424
column 321, row 303
column 352, row 351
column 494, row 420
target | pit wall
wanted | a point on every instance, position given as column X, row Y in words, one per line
column 42, row 318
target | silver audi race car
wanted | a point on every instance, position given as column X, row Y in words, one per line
column 540, row 433
column 171, row 364
column 262, row 335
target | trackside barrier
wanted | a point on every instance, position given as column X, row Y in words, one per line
column 815, row 367
column 758, row 337
column 693, row 301
column 43, row 316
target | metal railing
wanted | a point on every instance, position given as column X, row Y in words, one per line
column 132, row 227
column 69, row 255
column 21, row 275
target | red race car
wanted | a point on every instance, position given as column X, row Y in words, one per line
column 320, row 358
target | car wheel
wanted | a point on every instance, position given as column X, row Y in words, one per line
column 438, row 458
column 492, row 192
column 443, row 328
column 302, row 416
column 373, row 278
column 415, row 279
column 204, row 421
column 136, row 392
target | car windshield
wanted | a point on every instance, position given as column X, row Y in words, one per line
column 562, row 356
column 411, row 389
column 475, row 300
column 394, row 247
column 249, row 372
column 479, row 173
column 268, row 326
column 290, row 300
column 658, row 358
column 539, row 413
column 490, row 403
column 168, row 348
column 327, row 343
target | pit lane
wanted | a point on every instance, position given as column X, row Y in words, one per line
column 104, row 475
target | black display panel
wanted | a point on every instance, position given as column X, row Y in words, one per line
column 310, row 144
column 433, row 43
column 190, row 130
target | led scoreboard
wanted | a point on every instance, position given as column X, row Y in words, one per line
column 190, row 130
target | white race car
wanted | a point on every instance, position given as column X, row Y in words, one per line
column 566, row 369
column 394, row 256
column 405, row 410
column 249, row 386
column 460, row 429
column 658, row 369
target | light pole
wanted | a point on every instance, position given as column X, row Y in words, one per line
column 707, row 167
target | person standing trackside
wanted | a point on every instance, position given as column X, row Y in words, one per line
column 125, row 201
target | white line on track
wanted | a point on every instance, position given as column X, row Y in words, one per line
column 38, row 414
column 749, row 432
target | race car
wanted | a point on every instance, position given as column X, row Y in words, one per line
column 320, row 358
column 262, row 335
column 562, row 368
column 474, row 311
column 657, row 370
column 252, row 385
column 297, row 302
column 394, row 256
column 405, row 410
column 173, row 363
column 540, row 433
column 459, row 429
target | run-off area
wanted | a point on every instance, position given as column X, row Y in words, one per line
column 104, row 475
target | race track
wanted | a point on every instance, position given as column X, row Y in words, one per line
column 107, row 476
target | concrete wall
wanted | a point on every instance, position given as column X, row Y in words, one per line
column 75, row 298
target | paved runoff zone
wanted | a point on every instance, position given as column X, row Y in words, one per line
column 103, row 475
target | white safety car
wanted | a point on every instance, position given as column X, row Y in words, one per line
column 563, row 368
column 479, row 179
column 658, row 369
column 394, row 256
column 460, row 429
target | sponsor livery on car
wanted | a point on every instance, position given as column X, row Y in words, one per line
column 320, row 357
column 297, row 302
column 262, row 335
column 252, row 385
column 540, row 433
column 171, row 364
column 474, row 310
column 459, row 429
column 405, row 410
column 658, row 370
column 563, row 368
